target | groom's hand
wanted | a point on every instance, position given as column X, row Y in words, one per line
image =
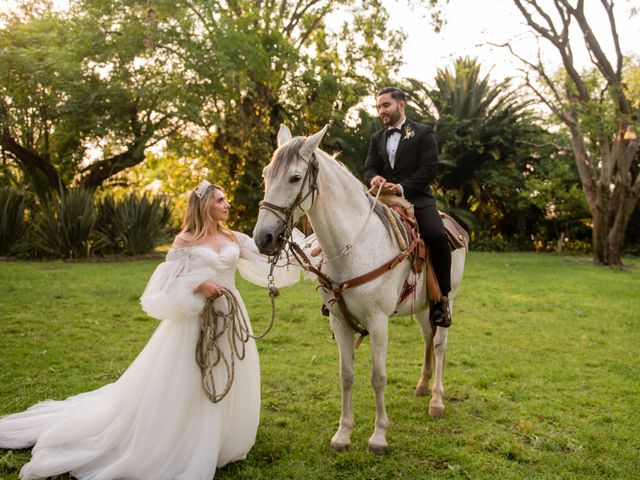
column 393, row 187
column 377, row 181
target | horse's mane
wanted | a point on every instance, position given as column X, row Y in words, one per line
column 288, row 154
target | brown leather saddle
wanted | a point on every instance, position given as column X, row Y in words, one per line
column 456, row 235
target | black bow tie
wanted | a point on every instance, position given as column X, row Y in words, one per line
column 391, row 131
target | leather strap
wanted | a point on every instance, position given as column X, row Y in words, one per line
column 337, row 288
column 390, row 265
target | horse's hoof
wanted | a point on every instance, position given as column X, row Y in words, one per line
column 378, row 449
column 339, row 447
column 421, row 390
column 436, row 411
column 340, row 442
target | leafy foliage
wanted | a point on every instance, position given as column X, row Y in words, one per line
column 13, row 217
column 86, row 92
column 135, row 224
column 553, row 186
column 74, row 84
column 351, row 140
column 75, row 225
column 64, row 224
column 487, row 137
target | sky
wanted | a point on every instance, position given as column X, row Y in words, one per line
column 471, row 24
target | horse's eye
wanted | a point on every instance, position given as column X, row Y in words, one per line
column 295, row 178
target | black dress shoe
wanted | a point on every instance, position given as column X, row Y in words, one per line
column 440, row 313
column 324, row 310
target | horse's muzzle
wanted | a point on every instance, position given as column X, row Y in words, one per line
column 269, row 242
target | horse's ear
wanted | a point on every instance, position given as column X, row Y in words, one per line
column 312, row 143
column 284, row 135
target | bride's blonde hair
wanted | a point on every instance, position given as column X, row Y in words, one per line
column 197, row 217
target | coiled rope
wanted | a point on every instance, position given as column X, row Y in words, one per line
column 216, row 325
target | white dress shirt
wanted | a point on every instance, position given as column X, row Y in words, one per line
column 393, row 141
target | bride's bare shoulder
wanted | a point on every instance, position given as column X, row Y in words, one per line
column 183, row 239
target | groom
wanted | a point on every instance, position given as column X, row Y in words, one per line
column 403, row 156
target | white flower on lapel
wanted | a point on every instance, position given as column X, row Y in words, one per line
column 408, row 132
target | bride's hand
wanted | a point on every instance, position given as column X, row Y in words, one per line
column 209, row 289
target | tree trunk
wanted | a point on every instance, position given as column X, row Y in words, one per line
column 560, row 243
column 599, row 232
column 95, row 174
column 31, row 161
column 622, row 214
column 611, row 212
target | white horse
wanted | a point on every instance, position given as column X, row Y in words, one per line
column 301, row 179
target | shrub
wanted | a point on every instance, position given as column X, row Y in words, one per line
column 64, row 226
column 105, row 227
column 13, row 209
column 484, row 242
column 134, row 224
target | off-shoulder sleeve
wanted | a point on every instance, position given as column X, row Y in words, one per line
column 254, row 266
column 169, row 294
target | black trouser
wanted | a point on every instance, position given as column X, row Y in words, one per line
column 434, row 235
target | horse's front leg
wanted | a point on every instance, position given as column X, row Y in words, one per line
column 379, row 341
column 428, row 330
column 344, row 337
column 436, row 405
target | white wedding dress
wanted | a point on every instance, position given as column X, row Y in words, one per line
column 155, row 422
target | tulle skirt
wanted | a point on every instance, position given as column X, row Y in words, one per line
column 153, row 423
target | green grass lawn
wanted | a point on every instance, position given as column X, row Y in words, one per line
column 542, row 379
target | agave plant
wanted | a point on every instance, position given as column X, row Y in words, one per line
column 64, row 225
column 13, row 208
column 134, row 224
column 106, row 229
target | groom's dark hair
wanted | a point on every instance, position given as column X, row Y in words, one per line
column 396, row 93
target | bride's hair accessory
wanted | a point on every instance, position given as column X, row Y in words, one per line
column 202, row 188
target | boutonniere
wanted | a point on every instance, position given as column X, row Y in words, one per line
column 408, row 132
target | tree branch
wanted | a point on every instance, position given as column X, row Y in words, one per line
column 98, row 172
column 608, row 6
column 29, row 159
column 559, row 40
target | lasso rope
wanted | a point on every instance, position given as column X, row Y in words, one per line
column 215, row 326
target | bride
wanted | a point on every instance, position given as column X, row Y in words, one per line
column 156, row 421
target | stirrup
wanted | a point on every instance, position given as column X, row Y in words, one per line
column 445, row 322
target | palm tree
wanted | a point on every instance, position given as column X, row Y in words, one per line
column 482, row 130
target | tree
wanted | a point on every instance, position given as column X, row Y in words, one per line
column 273, row 62
column 595, row 107
column 82, row 82
column 554, row 187
column 86, row 92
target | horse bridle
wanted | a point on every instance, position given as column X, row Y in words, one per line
column 286, row 213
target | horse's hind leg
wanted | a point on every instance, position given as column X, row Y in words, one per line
column 422, row 388
column 344, row 338
column 435, row 350
column 379, row 341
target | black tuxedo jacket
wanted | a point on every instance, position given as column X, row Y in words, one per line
column 416, row 163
